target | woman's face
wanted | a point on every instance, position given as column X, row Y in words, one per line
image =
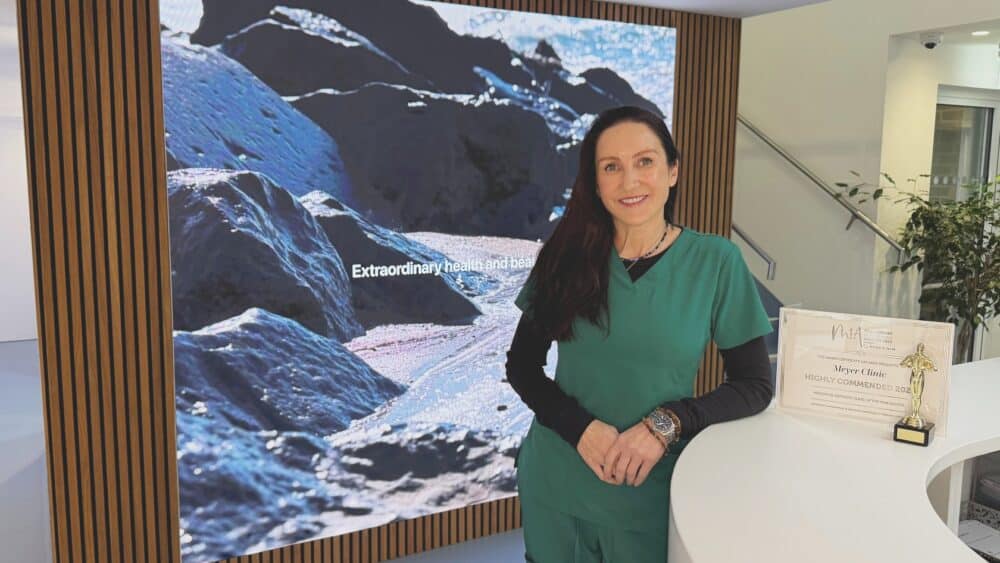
column 633, row 176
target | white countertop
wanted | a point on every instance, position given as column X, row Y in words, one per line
column 788, row 487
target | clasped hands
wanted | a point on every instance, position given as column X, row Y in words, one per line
column 617, row 458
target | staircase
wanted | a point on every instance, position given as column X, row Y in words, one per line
column 822, row 213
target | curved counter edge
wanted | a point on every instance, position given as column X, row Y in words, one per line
column 783, row 486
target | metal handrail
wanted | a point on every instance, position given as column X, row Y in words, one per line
column 856, row 214
column 771, row 264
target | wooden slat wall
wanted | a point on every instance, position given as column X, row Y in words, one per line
column 93, row 111
column 705, row 94
column 94, row 139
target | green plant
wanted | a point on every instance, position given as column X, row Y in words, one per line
column 955, row 245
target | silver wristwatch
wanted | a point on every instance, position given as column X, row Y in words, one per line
column 663, row 424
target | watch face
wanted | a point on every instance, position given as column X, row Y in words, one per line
column 663, row 424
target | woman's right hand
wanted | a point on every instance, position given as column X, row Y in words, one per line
column 595, row 442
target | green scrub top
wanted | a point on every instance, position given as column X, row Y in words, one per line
column 660, row 326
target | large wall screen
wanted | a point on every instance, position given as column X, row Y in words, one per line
column 357, row 190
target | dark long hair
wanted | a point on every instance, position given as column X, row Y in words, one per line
column 570, row 275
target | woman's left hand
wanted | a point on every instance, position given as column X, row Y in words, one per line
column 632, row 456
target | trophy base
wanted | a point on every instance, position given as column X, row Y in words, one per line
column 905, row 433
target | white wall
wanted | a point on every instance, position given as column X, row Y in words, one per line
column 815, row 80
column 17, row 293
column 820, row 266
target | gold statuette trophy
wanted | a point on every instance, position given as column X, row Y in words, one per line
column 912, row 428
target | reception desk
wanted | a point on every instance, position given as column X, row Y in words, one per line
column 784, row 487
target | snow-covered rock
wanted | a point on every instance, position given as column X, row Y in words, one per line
column 243, row 492
column 217, row 114
column 421, row 42
column 424, row 451
column 445, row 164
column 436, row 297
column 286, row 49
column 237, row 485
column 261, row 371
column 238, row 241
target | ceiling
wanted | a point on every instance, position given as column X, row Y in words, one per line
column 728, row 8
column 962, row 34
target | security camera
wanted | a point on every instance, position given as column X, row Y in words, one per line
column 931, row 39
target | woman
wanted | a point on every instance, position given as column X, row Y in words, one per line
column 632, row 300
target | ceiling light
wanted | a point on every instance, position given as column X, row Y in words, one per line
column 980, row 33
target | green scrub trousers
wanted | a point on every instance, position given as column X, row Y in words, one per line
column 552, row 536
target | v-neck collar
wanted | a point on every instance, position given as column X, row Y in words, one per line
column 654, row 272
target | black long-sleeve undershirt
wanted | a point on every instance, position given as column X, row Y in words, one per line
column 747, row 389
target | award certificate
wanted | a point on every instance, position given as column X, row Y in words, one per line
column 851, row 366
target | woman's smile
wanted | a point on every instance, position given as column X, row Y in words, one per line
column 633, row 201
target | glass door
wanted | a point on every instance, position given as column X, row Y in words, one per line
column 966, row 154
column 962, row 149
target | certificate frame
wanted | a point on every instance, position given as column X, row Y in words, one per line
column 847, row 366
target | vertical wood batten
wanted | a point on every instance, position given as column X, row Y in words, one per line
column 31, row 48
column 122, row 286
column 81, row 293
column 59, row 199
column 163, row 348
column 150, row 404
column 104, row 511
column 134, row 284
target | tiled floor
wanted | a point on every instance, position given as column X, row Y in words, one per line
column 24, row 537
column 501, row 548
column 24, row 512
